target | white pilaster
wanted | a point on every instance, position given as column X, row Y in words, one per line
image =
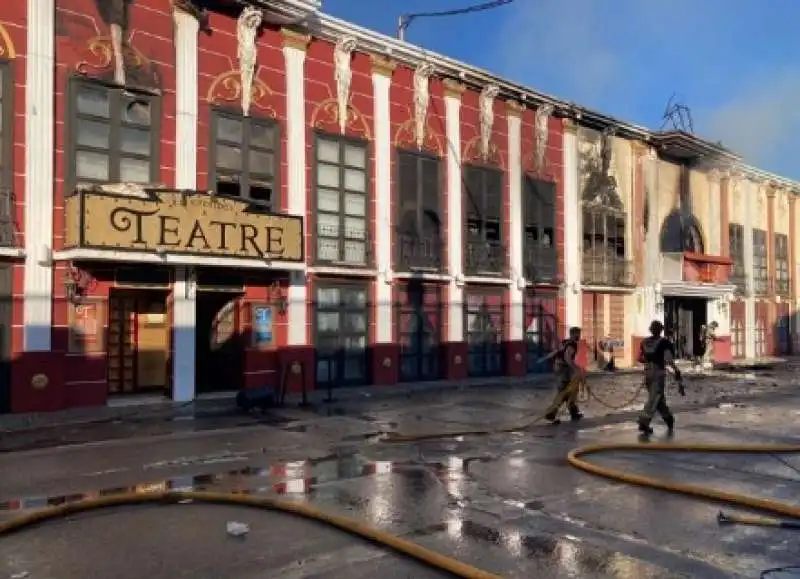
column 517, row 297
column 381, row 82
column 455, row 311
column 572, row 231
column 714, row 217
column 652, row 250
column 40, row 70
column 294, row 54
column 749, row 198
column 184, row 305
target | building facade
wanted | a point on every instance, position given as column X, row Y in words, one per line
column 222, row 197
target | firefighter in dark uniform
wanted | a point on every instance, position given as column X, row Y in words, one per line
column 566, row 370
column 656, row 353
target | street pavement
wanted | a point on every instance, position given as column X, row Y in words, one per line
column 509, row 504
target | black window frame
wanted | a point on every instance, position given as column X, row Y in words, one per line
column 540, row 261
column 479, row 242
column 736, row 253
column 421, row 311
column 245, row 173
column 782, row 271
column 340, row 355
column 760, row 262
column 604, row 255
column 115, row 95
column 485, row 350
column 343, row 141
column 419, row 250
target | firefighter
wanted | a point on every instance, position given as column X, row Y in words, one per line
column 566, row 369
column 656, row 353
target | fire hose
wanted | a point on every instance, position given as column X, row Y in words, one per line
column 456, row 568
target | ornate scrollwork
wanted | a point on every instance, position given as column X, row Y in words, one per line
column 326, row 116
column 227, row 87
column 7, row 49
column 474, row 154
column 100, row 60
column 406, row 137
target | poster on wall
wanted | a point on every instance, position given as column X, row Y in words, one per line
column 263, row 331
column 85, row 328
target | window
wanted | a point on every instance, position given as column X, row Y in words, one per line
column 541, row 332
column 604, row 248
column 760, row 268
column 738, row 338
column 761, row 338
column 341, row 201
column 6, row 122
column 419, row 225
column 419, row 323
column 736, row 252
column 114, row 137
column 483, row 211
column 341, row 334
column 244, row 161
column 484, row 329
column 539, row 218
column 781, row 263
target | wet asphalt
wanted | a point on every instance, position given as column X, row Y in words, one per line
column 509, row 504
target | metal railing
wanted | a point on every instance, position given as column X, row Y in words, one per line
column 484, row 257
column 608, row 271
column 540, row 264
column 419, row 252
column 8, row 221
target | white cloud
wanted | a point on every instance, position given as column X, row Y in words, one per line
column 761, row 121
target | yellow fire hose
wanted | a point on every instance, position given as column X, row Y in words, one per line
column 398, row 544
column 441, row 562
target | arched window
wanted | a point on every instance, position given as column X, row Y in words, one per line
column 681, row 233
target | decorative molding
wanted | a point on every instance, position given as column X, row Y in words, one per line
column 714, row 175
column 190, row 7
column 101, row 50
column 293, row 39
column 473, row 153
column 246, row 29
column 405, row 137
column 382, row 65
column 7, row 48
column 570, row 126
column 542, row 128
column 326, row 113
column 227, row 87
column 422, row 99
column 343, row 74
column 514, row 108
column 486, row 112
column 453, row 88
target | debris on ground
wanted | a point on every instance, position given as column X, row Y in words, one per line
column 237, row 529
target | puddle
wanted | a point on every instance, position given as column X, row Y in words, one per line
column 292, row 477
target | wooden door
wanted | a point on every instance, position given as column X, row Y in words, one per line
column 121, row 344
column 152, row 343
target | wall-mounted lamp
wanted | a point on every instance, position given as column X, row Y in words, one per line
column 71, row 290
column 521, row 283
column 278, row 299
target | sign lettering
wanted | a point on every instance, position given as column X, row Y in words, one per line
column 197, row 224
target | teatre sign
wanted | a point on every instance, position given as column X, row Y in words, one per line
column 176, row 222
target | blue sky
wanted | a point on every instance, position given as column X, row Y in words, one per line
column 735, row 63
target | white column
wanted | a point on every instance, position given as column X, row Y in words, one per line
column 652, row 262
column 40, row 70
column 714, row 210
column 294, row 54
column 572, row 231
column 517, row 313
column 381, row 83
column 184, row 305
column 749, row 198
column 455, row 310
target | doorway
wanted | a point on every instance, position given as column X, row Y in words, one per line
column 138, row 342
column 5, row 337
column 484, row 332
column 683, row 320
column 219, row 343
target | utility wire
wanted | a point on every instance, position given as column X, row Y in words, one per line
column 406, row 19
